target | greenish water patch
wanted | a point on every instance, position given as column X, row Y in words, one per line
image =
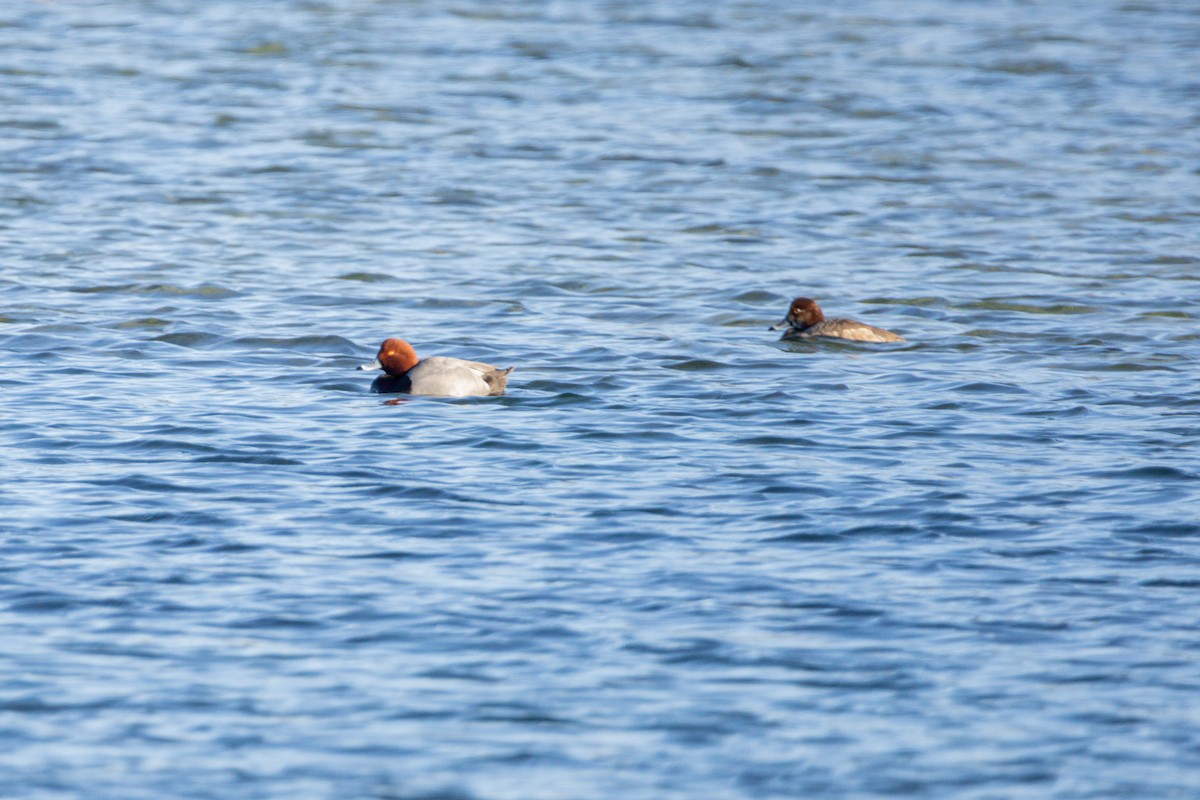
column 188, row 339
column 147, row 323
column 366, row 277
column 1028, row 308
column 269, row 48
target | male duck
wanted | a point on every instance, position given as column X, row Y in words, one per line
column 437, row 375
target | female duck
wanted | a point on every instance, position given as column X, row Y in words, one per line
column 804, row 319
column 437, row 375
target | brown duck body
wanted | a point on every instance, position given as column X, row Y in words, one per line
column 805, row 319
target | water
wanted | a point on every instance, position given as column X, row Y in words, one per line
column 679, row 559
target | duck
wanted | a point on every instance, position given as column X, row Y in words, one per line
column 439, row 376
column 805, row 319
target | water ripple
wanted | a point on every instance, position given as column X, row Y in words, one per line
column 678, row 558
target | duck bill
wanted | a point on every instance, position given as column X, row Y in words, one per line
column 778, row 326
column 374, row 365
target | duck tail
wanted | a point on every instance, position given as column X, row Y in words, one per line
column 497, row 379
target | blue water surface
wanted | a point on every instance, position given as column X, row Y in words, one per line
column 679, row 559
